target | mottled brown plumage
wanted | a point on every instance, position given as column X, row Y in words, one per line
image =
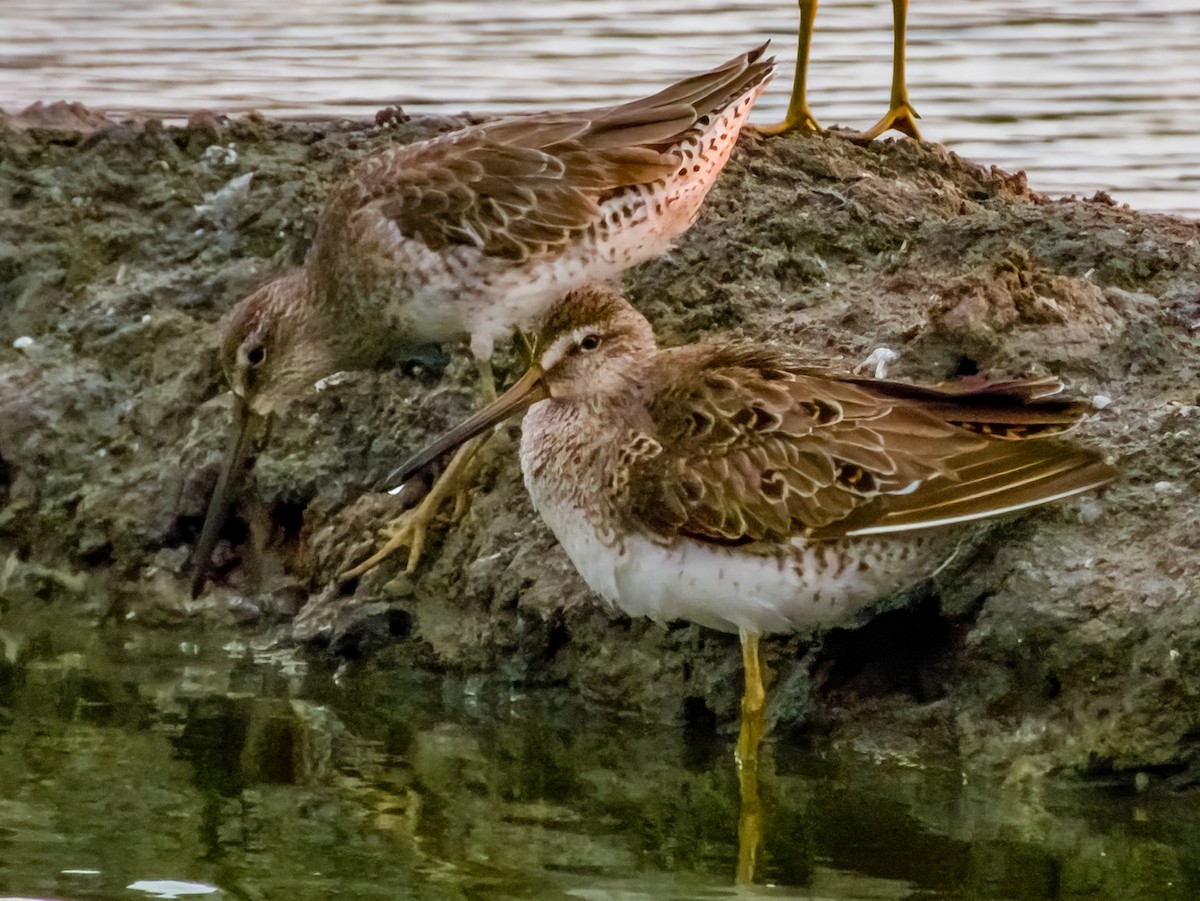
column 756, row 446
column 471, row 234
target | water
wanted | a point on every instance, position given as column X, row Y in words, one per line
column 1084, row 94
column 138, row 763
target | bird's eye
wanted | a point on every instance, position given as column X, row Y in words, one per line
column 589, row 342
column 256, row 355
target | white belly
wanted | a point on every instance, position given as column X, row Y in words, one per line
column 805, row 586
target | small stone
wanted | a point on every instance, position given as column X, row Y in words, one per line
column 391, row 116
column 216, row 155
column 880, row 358
column 1090, row 510
column 331, row 380
column 1164, row 487
column 1100, row 401
column 23, row 342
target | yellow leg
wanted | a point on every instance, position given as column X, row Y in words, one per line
column 750, row 819
column 409, row 528
column 750, row 824
column 799, row 118
column 900, row 115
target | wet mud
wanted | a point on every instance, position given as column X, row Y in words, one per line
column 1068, row 642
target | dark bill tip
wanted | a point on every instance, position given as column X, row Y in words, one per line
column 528, row 390
column 223, row 493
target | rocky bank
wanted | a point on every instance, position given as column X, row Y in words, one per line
column 1070, row 642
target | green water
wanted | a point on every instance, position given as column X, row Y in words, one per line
column 139, row 764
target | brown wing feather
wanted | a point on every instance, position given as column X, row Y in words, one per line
column 518, row 186
column 758, row 448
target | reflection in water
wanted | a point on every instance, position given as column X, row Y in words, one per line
column 131, row 758
column 1086, row 95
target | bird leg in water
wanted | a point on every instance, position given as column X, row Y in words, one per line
column 409, row 528
column 900, row 115
column 799, row 117
column 750, row 817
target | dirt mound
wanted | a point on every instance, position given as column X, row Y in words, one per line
column 1070, row 640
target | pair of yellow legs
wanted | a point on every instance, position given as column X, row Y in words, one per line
column 900, row 115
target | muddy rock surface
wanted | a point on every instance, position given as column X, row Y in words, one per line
column 1069, row 641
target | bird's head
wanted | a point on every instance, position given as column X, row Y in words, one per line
column 590, row 344
column 272, row 346
column 271, row 352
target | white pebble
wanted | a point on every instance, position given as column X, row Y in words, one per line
column 330, row 380
column 146, row 319
column 220, row 156
column 1100, row 401
column 1164, row 486
column 880, row 359
column 23, row 342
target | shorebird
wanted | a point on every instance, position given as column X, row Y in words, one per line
column 469, row 235
column 737, row 487
column 900, row 115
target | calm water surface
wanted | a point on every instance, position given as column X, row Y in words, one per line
column 1084, row 94
column 139, row 764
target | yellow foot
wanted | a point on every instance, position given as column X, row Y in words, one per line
column 902, row 118
column 802, row 122
column 406, row 530
column 409, row 528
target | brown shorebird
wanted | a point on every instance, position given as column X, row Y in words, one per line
column 471, row 234
column 737, row 487
column 900, row 115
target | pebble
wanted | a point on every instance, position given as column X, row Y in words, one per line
column 1100, row 401
column 23, row 342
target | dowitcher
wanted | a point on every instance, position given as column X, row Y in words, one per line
column 900, row 115
column 471, row 234
column 735, row 486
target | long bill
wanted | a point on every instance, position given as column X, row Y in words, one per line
column 222, row 496
column 528, row 390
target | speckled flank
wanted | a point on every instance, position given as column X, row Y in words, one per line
column 456, row 291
